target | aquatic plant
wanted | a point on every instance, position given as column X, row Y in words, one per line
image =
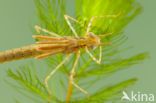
column 29, row 78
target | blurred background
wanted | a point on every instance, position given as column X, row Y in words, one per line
column 16, row 16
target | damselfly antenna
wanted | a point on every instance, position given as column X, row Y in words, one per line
column 104, row 35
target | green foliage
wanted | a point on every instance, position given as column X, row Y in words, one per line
column 30, row 78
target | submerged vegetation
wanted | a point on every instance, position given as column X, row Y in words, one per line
column 89, row 75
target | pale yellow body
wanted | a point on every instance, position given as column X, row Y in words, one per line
column 19, row 53
column 65, row 45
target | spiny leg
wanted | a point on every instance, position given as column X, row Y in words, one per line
column 74, row 20
column 105, row 16
column 82, row 90
column 91, row 55
column 51, row 73
column 38, row 29
column 71, row 27
column 69, row 91
column 100, row 52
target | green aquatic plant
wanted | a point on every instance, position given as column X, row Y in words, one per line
column 89, row 75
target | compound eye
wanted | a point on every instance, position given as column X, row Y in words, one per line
column 92, row 46
column 91, row 35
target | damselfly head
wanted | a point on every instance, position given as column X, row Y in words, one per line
column 93, row 40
